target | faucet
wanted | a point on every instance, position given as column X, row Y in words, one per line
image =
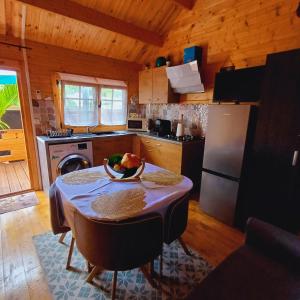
column 89, row 128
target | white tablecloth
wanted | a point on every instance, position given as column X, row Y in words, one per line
column 79, row 196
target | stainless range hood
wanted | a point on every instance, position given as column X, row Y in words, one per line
column 185, row 78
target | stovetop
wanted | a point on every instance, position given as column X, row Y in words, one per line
column 173, row 137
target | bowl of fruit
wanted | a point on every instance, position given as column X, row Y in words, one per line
column 129, row 165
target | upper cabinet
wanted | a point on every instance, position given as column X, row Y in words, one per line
column 145, row 86
column 154, row 87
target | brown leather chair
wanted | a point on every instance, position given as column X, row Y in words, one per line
column 175, row 223
column 57, row 220
column 266, row 267
column 119, row 246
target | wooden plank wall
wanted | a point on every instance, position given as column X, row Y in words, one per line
column 239, row 32
column 45, row 60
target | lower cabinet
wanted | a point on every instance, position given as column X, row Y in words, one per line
column 163, row 154
column 181, row 158
column 105, row 147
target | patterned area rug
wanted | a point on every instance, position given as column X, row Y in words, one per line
column 17, row 202
column 181, row 274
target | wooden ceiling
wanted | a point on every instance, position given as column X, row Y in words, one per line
column 152, row 17
column 237, row 31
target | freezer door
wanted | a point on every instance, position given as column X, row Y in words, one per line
column 225, row 138
column 218, row 197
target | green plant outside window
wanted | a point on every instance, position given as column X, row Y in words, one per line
column 9, row 96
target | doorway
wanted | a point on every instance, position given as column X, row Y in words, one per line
column 14, row 171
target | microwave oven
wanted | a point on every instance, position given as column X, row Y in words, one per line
column 137, row 124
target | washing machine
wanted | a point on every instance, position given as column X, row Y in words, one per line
column 66, row 158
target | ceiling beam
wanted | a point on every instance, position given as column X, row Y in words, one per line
column 188, row 4
column 90, row 16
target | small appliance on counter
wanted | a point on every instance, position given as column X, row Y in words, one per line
column 162, row 127
column 137, row 124
column 180, row 128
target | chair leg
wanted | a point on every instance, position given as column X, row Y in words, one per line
column 161, row 266
column 113, row 294
column 70, row 253
column 183, row 245
column 89, row 267
column 152, row 273
column 148, row 277
column 62, row 237
column 93, row 273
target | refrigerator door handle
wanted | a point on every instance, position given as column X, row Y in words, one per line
column 295, row 158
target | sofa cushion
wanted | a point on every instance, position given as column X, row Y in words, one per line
column 274, row 242
column 249, row 275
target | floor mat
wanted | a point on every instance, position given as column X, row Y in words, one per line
column 18, row 202
column 181, row 274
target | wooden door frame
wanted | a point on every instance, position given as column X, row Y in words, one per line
column 29, row 132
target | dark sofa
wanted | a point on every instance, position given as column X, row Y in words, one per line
column 266, row 267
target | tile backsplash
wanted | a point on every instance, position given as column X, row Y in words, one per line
column 43, row 115
column 194, row 116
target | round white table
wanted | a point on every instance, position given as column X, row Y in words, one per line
column 81, row 196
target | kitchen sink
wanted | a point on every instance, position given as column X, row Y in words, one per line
column 104, row 132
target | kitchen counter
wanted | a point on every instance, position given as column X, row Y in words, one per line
column 80, row 137
column 177, row 156
column 83, row 137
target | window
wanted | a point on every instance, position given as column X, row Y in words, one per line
column 80, row 103
column 89, row 104
column 113, row 106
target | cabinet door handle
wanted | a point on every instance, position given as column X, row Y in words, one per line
column 158, row 144
column 149, row 150
column 295, row 158
column 147, row 142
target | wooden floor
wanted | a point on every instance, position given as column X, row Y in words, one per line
column 21, row 275
column 14, row 177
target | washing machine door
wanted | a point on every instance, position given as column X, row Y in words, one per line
column 72, row 163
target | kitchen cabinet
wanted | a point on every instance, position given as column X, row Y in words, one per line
column 145, row 86
column 154, row 87
column 180, row 158
column 105, row 147
column 164, row 154
column 274, row 180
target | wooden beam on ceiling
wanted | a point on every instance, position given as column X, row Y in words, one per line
column 90, row 16
column 188, row 4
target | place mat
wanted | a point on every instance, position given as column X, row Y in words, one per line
column 119, row 205
column 82, row 177
column 163, row 178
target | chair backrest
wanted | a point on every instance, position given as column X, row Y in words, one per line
column 176, row 219
column 119, row 245
column 56, row 212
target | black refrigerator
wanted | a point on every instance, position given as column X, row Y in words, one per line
column 228, row 142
